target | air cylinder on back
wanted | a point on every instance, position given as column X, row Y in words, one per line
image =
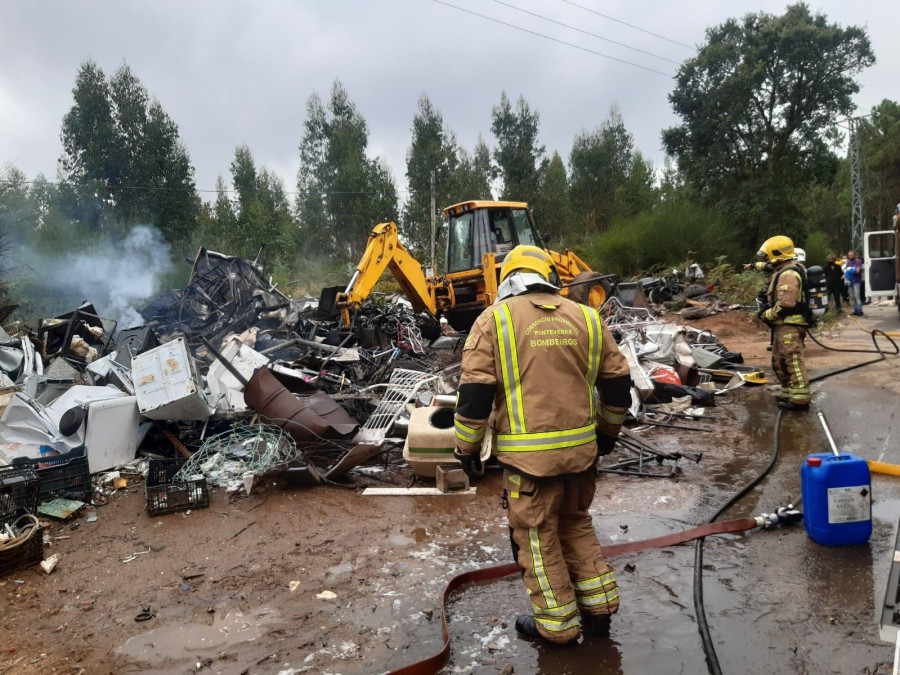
column 818, row 290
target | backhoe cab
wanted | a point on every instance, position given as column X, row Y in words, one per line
column 476, row 228
column 479, row 235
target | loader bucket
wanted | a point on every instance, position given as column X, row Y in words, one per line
column 328, row 302
column 631, row 294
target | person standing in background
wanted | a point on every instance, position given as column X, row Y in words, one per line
column 853, row 278
column 834, row 279
column 862, row 282
column 845, row 289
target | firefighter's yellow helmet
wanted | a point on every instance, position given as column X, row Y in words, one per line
column 530, row 258
column 776, row 249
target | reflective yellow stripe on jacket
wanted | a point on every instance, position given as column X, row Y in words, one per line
column 509, row 365
column 467, row 434
column 595, row 344
column 546, row 440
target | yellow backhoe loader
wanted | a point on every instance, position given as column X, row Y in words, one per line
column 479, row 235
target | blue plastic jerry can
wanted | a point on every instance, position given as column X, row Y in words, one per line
column 837, row 498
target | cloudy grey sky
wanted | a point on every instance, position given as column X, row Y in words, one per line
column 232, row 72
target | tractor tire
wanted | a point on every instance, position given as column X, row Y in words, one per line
column 593, row 294
column 694, row 291
column 695, row 312
column 659, row 295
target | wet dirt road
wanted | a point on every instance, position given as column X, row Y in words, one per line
column 219, row 580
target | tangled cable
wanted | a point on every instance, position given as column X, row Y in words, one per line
column 21, row 534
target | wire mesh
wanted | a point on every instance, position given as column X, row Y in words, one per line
column 242, row 449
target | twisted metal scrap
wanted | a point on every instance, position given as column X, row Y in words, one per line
column 618, row 317
column 254, row 449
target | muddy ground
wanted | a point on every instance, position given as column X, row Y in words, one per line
column 233, row 588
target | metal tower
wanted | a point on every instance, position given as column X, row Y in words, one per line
column 857, row 208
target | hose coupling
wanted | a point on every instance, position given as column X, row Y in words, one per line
column 788, row 515
column 784, row 515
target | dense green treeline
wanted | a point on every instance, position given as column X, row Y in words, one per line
column 757, row 151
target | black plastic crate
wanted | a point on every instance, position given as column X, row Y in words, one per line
column 19, row 489
column 66, row 475
column 27, row 554
column 164, row 496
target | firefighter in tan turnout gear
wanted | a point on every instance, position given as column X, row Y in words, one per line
column 534, row 363
column 788, row 313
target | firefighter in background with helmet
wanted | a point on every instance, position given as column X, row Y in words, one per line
column 533, row 364
column 789, row 315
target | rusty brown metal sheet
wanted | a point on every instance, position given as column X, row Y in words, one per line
column 362, row 452
column 308, row 418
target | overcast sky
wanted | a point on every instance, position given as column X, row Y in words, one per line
column 232, row 72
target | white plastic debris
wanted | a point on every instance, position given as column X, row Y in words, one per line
column 326, row 595
column 50, row 563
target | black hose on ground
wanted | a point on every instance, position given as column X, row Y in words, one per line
column 881, row 354
column 712, row 659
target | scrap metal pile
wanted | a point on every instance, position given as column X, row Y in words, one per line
column 685, row 292
column 230, row 379
column 229, row 356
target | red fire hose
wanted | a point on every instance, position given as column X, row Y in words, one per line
column 433, row 664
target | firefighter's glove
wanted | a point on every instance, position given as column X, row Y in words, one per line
column 605, row 444
column 771, row 315
column 471, row 464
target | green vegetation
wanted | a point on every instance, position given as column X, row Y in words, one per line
column 670, row 233
column 736, row 285
column 754, row 153
column 756, row 105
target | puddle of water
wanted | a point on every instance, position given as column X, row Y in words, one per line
column 400, row 539
column 653, row 632
column 415, row 536
column 193, row 640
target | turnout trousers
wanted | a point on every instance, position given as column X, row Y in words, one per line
column 787, row 362
column 553, row 540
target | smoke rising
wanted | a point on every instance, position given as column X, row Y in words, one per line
column 117, row 276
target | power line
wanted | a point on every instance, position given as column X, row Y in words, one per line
column 630, row 25
column 547, row 37
column 575, row 28
column 152, row 188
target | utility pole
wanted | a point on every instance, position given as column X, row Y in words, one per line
column 857, row 208
column 433, row 225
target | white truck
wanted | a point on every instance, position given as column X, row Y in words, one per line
column 882, row 256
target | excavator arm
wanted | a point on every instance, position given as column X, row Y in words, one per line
column 568, row 264
column 385, row 251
